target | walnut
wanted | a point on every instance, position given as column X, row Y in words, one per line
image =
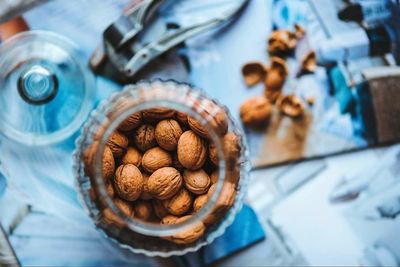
column 143, row 210
column 309, row 63
column 299, row 31
column 276, row 74
column 192, row 151
column 291, row 106
column 200, row 202
column 272, row 95
column 108, row 162
column 144, row 137
column 128, row 182
column 164, row 183
column 156, row 158
column 124, row 206
column 132, row 156
column 189, row 235
column 167, row 134
column 253, row 73
column 255, row 111
column 182, row 118
column 118, row 143
column 130, row 123
column 180, row 203
column 159, row 209
column 225, row 200
column 109, row 217
column 197, row 181
column 145, row 193
column 160, row 113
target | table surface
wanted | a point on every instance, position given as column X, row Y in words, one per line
column 59, row 227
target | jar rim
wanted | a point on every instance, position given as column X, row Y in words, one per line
column 160, row 100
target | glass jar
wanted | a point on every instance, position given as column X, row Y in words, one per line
column 151, row 238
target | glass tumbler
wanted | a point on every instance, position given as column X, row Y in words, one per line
column 153, row 238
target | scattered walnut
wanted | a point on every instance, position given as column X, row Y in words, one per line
column 253, row 73
column 130, row 123
column 180, row 203
column 118, row 143
column 255, row 111
column 197, row 181
column 310, row 100
column 132, row 156
column 281, row 42
column 143, row 210
column 124, row 206
column 164, row 183
column 309, row 63
column 291, row 106
column 128, row 182
column 299, row 31
column 167, row 134
column 158, row 114
column 144, row 137
column 159, row 209
column 156, row 158
column 200, row 202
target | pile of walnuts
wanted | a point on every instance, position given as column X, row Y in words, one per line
column 161, row 166
column 257, row 111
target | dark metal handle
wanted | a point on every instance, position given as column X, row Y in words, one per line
column 7, row 255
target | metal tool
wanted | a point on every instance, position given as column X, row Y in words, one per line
column 124, row 48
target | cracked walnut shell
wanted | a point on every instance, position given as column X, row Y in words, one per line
column 128, row 182
column 291, row 106
column 253, row 73
column 192, row 151
column 156, row 158
column 197, row 181
column 167, row 134
column 164, row 183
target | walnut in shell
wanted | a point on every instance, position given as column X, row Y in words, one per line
column 167, row 134
column 118, row 143
column 255, row 111
column 218, row 122
column 169, row 219
column 144, row 137
column 108, row 162
column 128, row 182
column 143, row 210
column 130, row 123
column 231, row 148
column 213, row 153
column 180, row 203
column 197, row 181
column 192, row 151
column 164, row 183
column 132, row 156
column 156, row 158
column 224, row 202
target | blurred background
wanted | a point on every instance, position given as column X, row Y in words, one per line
column 324, row 188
